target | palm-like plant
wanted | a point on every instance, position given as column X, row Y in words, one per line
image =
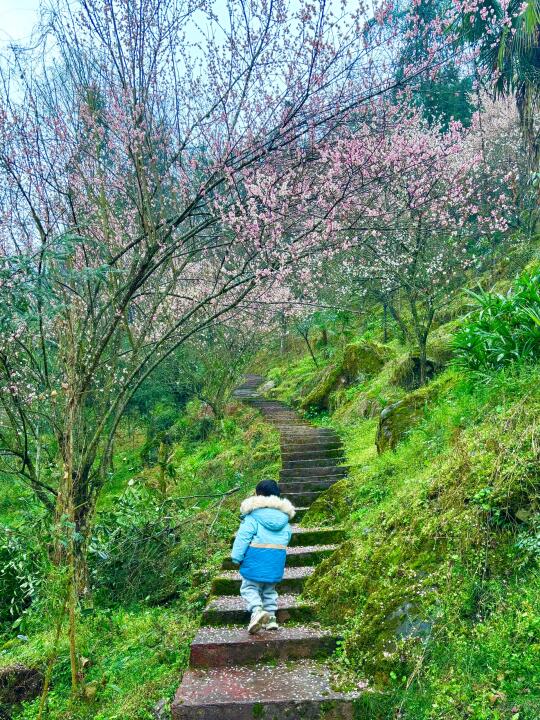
column 507, row 35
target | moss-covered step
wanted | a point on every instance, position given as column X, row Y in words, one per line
column 230, row 610
column 316, row 536
column 220, row 647
column 299, row 691
column 293, row 581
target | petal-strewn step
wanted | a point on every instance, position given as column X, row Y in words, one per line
column 219, row 647
column 230, row 610
column 283, row 692
column 293, row 581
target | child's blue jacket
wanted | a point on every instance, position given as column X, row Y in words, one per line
column 265, row 522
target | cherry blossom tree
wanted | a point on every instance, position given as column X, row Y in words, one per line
column 441, row 206
column 161, row 161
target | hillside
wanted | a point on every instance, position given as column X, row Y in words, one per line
column 436, row 588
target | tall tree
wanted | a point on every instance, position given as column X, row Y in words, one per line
column 507, row 38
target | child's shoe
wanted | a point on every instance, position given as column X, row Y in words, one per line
column 272, row 624
column 259, row 617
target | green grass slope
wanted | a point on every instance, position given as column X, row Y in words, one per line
column 152, row 558
column 437, row 590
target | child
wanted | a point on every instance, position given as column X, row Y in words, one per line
column 260, row 548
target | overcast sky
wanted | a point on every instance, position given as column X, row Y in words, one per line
column 17, row 18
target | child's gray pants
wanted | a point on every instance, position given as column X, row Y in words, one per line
column 257, row 594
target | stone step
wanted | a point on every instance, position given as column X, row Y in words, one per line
column 303, row 498
column 220, row 647
column 309, row 485
column 315, row 471
column 294, row 452
column 301, row 439
column 275, row 410
column 281, row 692
column 300, row 512
column 293, row 581
column 298, row 556
column 290, row 455
column 309, row 462
column 316, row 536
column 301, row 429
column 311, row 430
column 230, row 610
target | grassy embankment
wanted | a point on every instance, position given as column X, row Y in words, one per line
column 437, row 590
column 151, row 562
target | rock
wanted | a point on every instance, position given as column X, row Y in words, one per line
column 161, row 710
column 407, row 623
column 19, row 683
column 524, row 515
column 396, row 419
column 90, row 691
column 332, row 506
column 266, row 387
column 407, row 372
column 359, row 361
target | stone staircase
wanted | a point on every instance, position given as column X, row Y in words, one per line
column 272, row 675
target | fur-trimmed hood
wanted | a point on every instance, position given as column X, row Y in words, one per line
column 273, row 502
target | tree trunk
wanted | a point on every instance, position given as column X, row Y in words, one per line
column 283, row 335
column 422, row 347
column 324, row 337
column 306, row 339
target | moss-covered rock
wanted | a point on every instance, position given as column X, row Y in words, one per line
column 398, row 418
column 331, row 507
column 406, row 373
column 359, row 361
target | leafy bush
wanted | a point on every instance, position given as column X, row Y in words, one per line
column 504, row 330
column 22, row 569
column 137, row 552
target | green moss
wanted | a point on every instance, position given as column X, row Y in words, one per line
column 331, row 507
column 258, row 710
column 435, row 583
column 397, row 419
column 359, row 361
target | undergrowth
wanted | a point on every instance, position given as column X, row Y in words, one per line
column 436, row 591
column 151, row 559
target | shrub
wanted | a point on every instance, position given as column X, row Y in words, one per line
column 137, row 552
column 22, row 569
column 504, row 329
